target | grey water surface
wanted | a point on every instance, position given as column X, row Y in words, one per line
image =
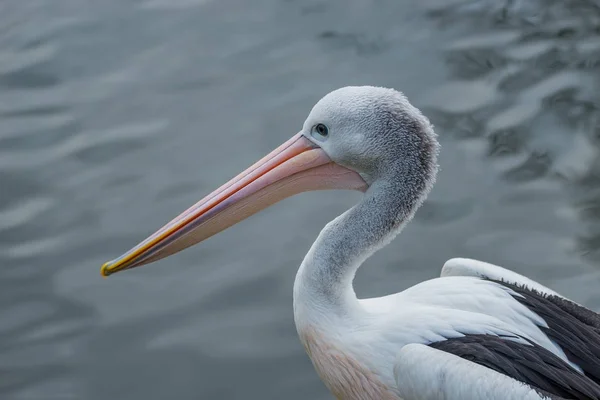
column 116, row 115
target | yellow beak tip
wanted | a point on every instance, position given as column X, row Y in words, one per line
column 105, row 270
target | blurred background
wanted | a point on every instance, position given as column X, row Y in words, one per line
column 116, row 115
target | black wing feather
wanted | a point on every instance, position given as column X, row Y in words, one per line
column 574, row 328
column 528, row 363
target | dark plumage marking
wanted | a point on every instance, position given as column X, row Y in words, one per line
column 574, row 328
column 530, row 364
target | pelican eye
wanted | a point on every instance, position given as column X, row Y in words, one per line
column 320, row 131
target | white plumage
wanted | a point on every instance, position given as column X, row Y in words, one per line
column 375, row 331
column 424, row 373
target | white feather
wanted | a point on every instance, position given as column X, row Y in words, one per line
column 469, row 267
column 424, row 373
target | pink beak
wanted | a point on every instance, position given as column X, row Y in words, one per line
column 296, row 166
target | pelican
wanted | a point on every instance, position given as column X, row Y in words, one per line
column 478, row 331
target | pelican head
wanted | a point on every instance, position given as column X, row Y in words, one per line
column 354, row 138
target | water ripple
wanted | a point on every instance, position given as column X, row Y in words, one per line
column 116, row 115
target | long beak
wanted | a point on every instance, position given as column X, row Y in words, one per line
column 296, row 166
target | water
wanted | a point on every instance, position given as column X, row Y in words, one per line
column 117, row 115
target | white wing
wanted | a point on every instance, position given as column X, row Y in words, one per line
column 469, row 267
column 425, row 373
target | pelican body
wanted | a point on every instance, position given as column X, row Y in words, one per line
column 477, row 332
